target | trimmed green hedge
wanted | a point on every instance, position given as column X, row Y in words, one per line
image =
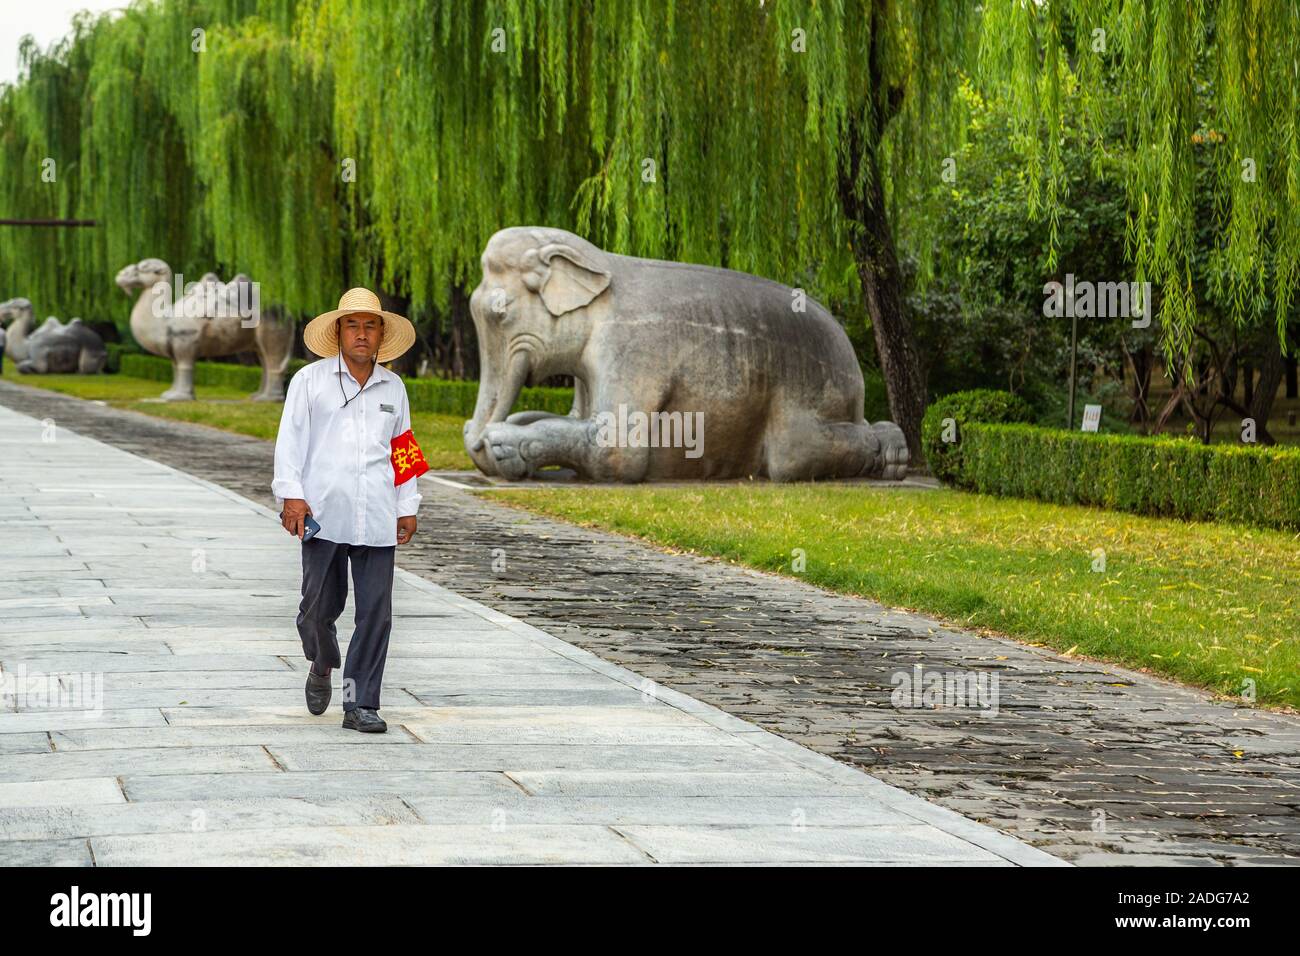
column 1171, row 477
column 427, row 395
column 159, row 369
column 964, row 408
column 458, row 398
column 115, row 352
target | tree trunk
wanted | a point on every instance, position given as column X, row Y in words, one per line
column 872, row 240
column 1260, row 405
column 464, row 343
column 882, row 283
column 1141, row 363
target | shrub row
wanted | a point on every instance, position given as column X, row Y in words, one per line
column 159, row 369
column 1172, row 477
column 458, row 398
column 115, row 352
column 949, row 414
column 426, row 395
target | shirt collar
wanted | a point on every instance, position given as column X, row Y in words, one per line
column 378, row 374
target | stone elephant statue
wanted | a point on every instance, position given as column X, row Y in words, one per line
column 58, row 348
column 682, row 371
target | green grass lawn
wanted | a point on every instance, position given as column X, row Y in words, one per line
column 1211, row 605
column 229, row 409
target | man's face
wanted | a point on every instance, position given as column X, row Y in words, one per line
column 359, row 337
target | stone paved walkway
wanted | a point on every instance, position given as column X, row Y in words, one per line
column 167, row 602
column 1096, row 764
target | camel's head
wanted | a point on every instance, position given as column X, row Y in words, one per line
column 15, row 309
column 144, row 274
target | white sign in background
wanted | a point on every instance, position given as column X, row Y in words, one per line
column 1091, row 417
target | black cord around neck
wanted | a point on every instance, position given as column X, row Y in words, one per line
column 359, row 388
column 341, row 391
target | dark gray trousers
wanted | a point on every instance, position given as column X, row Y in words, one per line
column 324, row 594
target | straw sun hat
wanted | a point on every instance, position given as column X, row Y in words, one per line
column 321, row 337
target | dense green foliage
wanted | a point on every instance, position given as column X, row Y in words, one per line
column 1180, row 73
column 980, row 319
column 1177, row 478
column 944, row 424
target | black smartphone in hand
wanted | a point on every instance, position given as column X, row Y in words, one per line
column 309, row 526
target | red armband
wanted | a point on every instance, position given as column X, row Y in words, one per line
column 408, row 460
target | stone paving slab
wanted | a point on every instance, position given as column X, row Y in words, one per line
column 176, row 598
column 392, row 845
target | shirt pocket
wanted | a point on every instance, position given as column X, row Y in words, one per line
column 380, row 424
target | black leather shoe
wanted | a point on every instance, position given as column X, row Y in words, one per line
column 364, row 719
column 318, row 692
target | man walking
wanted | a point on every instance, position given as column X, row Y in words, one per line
column 333, row 463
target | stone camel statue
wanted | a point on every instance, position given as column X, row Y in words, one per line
column 59, row 348
column 212, row 319
column 18, row 313
column 52, row 348
column 682, row 371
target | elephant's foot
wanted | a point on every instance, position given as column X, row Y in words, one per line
column 477, row 450
column 520, row 451
column 268, row 395
column 891, row 463
column 177, row 395
column 509, row 447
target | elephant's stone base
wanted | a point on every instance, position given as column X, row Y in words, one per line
column 521, row 447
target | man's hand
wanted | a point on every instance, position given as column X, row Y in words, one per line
column 293, row 517
column 405, row 529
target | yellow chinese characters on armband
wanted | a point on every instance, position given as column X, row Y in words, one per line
column 408, row 460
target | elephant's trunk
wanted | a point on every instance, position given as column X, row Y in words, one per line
column 497, row 394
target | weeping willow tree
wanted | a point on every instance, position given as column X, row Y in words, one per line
column 1185, row 74
column 40, row 134
column 115, row 111
column 262, row 148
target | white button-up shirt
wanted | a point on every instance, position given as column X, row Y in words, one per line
column 339, row 459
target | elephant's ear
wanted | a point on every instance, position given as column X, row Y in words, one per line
column 572, row 281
